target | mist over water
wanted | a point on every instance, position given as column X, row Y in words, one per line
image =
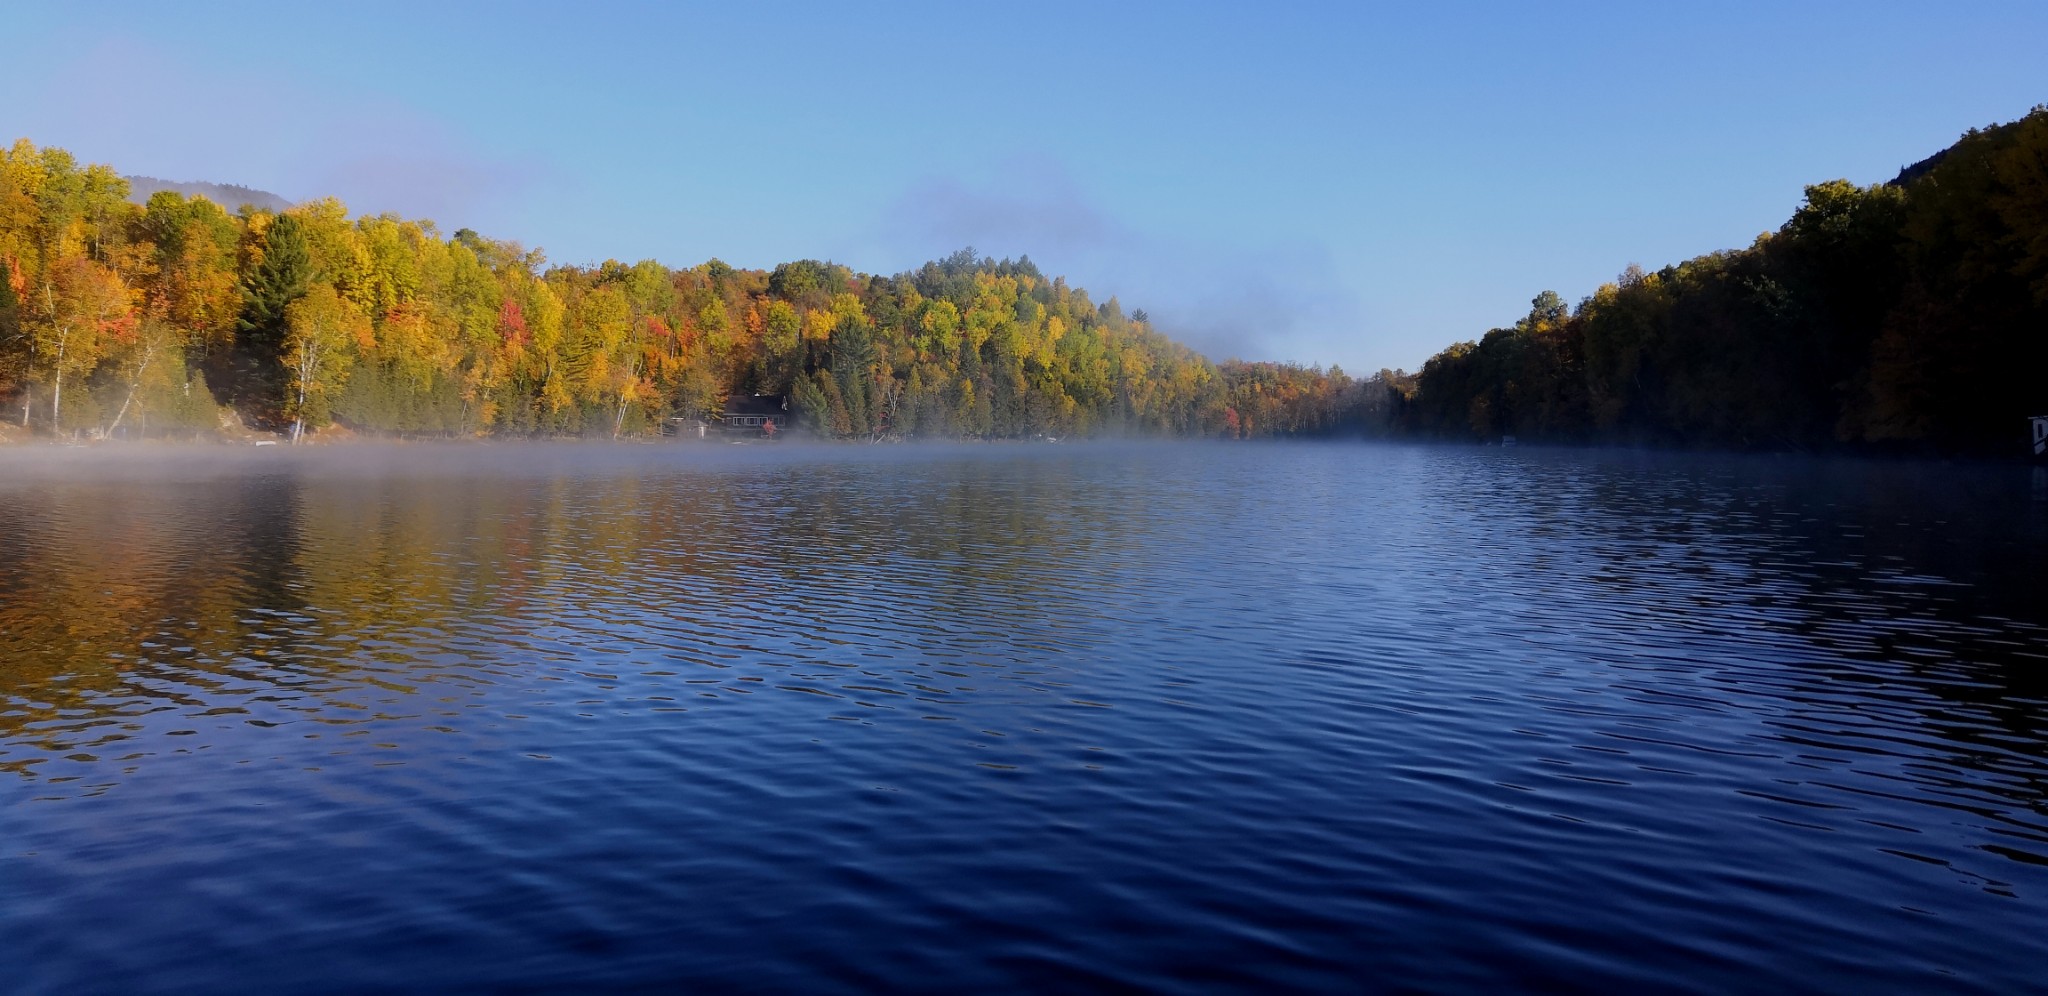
column 998, row 717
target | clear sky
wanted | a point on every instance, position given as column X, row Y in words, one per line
column 1321, row 182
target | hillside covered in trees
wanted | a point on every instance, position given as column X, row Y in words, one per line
column 1909, row 315
column 176, row 317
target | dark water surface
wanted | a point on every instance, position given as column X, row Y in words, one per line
column 1186, row 717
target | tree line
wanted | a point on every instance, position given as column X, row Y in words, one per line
column 178, row 316
column 1907, row 315
column 1910, row 314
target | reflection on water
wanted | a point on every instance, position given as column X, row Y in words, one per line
column 998, row 717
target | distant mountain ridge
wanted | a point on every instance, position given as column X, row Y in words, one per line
column 227, row 195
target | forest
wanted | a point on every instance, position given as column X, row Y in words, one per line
column 178, row 317
column 1908, row 316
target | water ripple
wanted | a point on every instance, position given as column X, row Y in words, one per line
column 1179, row 717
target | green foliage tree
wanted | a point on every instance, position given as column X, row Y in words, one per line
column 13, row 348
column 853, row 364
column 10, row 304
column 811, row 404
column 282, row 274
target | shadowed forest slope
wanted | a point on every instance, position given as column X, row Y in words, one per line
column 1911, row 314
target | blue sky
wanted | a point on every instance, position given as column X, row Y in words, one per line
column 1339, row 183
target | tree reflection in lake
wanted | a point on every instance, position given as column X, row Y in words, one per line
column 784, row 718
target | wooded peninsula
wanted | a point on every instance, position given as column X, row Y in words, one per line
column 1909, row 315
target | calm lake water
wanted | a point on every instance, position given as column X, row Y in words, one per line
column 1181, row 717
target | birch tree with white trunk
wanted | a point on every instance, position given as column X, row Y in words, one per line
column 322, row 331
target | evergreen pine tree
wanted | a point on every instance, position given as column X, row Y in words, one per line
column 282, row 277
column 811, row 402
column 10, row 307
column 853, row 362
column 13, row 345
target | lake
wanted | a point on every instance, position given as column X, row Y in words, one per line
column 1183, row 717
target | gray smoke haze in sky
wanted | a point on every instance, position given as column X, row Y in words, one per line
column 1273, row 302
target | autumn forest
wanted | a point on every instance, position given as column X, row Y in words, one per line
column 1907, row 315
column 178, row 316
